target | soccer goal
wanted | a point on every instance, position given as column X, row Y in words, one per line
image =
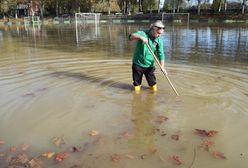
column 87, row 26
column 175, row 17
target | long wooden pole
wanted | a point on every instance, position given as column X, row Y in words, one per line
column 162, row 70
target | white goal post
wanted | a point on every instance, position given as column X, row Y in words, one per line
column 175, row 17
column 87, row 26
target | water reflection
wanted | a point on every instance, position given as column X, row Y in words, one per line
column 214, row 45
column 142, row 113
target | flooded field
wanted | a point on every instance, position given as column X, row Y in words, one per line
column 67, row 102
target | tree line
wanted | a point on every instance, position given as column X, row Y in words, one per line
column 60, row 7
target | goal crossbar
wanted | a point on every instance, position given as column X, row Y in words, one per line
column 85, row 20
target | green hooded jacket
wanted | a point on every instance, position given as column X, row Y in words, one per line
column 142, row 55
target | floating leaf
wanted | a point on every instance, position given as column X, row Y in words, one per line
column 34, row 163
column 161, row 119
column 29, row 94
column 175, row 137
column 93, row 133
column 12, row 149
column 115, row 157
column 143, row 156
column 212, row 133
column 206, row 144
column 61, row 156
column 2, row 154
column 131, row 157
column 24, row 147
column 176, row 160
column 19, row 159
column 202, row 132
column 2, row 142
column 48, row 154
column 126, row 135
column 58, row 141
column 75, row 149
column 218, row 155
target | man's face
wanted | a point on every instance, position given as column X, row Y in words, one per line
column 158, row 31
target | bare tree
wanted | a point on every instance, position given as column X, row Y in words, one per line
column 140, row 5
column 243, row 6
column 199, row 7
column 158, row 6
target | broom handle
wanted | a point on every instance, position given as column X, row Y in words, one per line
column 162, row 70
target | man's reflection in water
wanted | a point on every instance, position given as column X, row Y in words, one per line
column 142, row 113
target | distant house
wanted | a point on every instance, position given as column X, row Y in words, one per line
column 22, row 10
column 28, row 9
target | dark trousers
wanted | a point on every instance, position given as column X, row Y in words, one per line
column 138, row 72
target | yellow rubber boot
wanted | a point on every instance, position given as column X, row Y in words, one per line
column 154, row 88
column 137, row 89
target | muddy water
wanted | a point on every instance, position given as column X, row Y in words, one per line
column 80, row 94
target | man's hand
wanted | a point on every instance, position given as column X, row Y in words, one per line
column 144, row 40
column 164, row 71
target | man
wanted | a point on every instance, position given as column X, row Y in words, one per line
column 143, row 60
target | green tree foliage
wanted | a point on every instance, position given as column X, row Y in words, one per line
column 173, row 5
column 7, row 5
column 60, row 7
column 106, row 6
column 168, row 5
column 150, row 5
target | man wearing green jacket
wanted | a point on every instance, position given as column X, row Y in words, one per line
column 143, row 60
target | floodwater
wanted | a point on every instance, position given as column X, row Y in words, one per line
column 59, row 95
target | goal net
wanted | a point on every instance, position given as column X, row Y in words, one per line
column 87, row 26
column 175, row 17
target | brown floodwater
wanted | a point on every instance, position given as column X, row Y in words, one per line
column 60, row 93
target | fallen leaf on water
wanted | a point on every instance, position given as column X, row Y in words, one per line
column 61, row 156
column 48, row 154
column 115, row 157
column 131, row 157
column 218, row 155
column 176, row 160
column 143, row 156
column 161, row 158
column 175, row 137
column 24, row 147
column 58, row 141
column 2, row 154
column 202, row 132
column 206, row 144
column 2, row 142
column 34, row 163
column 212, row 133
column 29, row 94
column 127, row 135
column 12, row 149
column 19, row 159
column 161, row 119
column 93, row 133
column 75, row 149
column 152, row 150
